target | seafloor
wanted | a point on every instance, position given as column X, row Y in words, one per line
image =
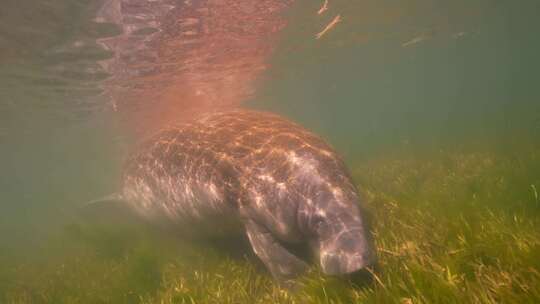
column 450, row 227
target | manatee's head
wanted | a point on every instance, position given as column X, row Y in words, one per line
column 339, row 235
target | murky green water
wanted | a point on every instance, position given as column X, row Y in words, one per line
column 427, row 71
column 422, row 80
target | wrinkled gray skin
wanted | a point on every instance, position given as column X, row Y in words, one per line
column 279, row 182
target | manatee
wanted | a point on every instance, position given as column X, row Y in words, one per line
column 244, row 171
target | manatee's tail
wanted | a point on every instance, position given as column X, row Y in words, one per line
column 111, row 208
column 108, row 225
column 108, row 201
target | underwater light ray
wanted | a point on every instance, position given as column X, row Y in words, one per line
column 174, row 58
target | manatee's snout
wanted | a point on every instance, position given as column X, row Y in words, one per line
column 346, row 252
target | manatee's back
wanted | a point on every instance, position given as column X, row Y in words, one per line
column 198, row 171
column 180, row 176
column 280, row 165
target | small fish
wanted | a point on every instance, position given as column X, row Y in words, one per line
column 330, row 25
column 459, row 35
column 323, row 8
column 415, row 40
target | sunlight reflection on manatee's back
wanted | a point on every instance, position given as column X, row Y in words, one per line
column 176, row 57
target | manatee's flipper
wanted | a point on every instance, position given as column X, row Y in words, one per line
column 282, row 264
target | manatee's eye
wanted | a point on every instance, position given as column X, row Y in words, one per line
column 317, row 222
